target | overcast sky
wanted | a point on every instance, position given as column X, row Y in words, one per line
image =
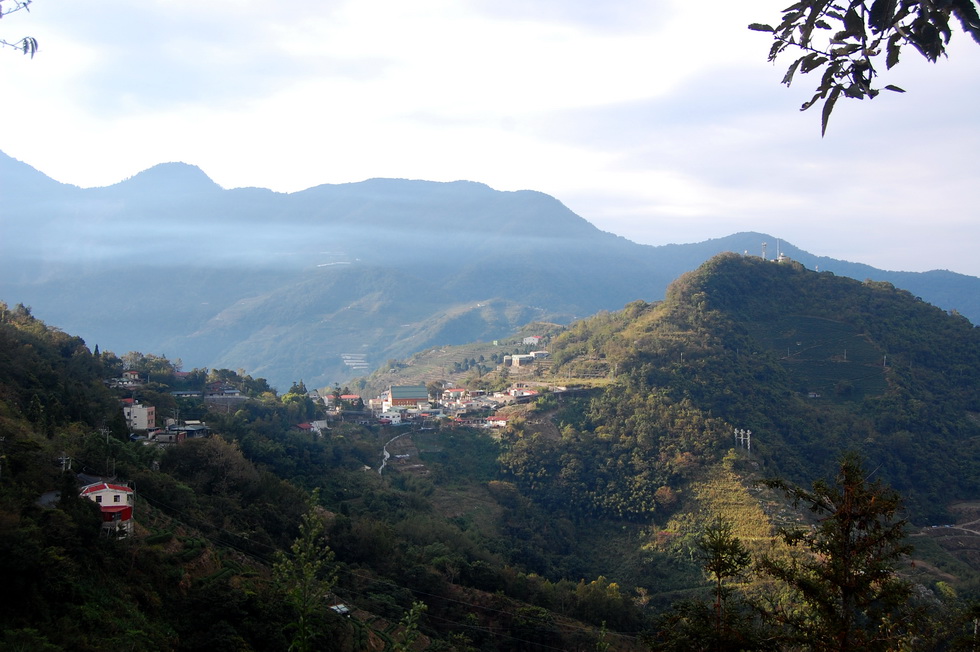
column 656, row 120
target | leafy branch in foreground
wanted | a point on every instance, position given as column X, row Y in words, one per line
column 28, row 44
column 847, row 40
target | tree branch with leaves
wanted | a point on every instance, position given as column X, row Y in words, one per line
column 28, row 44
column 850, row 41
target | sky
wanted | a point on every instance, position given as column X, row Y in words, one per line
column 658, row 120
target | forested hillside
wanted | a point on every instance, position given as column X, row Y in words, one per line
column 587, row 523
column 227, row 529
column 810, row 362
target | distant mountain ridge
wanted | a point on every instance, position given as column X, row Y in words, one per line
column 283, row 285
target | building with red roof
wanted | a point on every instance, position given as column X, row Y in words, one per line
column 115, row 501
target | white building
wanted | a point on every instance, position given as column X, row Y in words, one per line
column 116, row 504
column 139, row 417
column 391, row 416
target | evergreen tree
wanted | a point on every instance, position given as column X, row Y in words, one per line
column 724, row 557
column 307, row 576
column 727, row 625
column 846, row 589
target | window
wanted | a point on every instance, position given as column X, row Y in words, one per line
column 117, row 498
column 98, row 499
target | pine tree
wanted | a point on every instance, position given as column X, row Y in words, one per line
column 306, row 576
column 727, row 625
column 847, row 592
column 724, row 557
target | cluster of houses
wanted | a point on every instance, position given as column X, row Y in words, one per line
column 142, row 418
column 401, row 404
column 397, row 405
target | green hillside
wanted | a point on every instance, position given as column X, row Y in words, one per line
column 217, row 520
column 580, row 525
column 811, row 363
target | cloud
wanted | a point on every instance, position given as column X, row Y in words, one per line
column 658, row 121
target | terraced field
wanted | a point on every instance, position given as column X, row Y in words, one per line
column 830, row 358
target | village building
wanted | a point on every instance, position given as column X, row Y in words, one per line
column 453, row 394
column 391, row 417
column 223, row 395
column 139, row 417
column 320, row 426
column 176, row 433
column 166, row 437
column 128, row 379
column 116, row 505
column 406, row 396
column 191, row 429
column 222, row 391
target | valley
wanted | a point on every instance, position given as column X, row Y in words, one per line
column 575, row 515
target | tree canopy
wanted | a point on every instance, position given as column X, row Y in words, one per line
column 850, row 41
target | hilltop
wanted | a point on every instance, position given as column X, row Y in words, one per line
column 810, row 362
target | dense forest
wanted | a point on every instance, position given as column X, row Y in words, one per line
column 219, row 520
column 811, row 363
column 625, row 517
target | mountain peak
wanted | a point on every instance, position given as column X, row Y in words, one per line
column 171, row 177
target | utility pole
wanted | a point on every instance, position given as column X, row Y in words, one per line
column 105, row 431
column 743, row 439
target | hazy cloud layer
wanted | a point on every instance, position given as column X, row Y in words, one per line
column 661, row 122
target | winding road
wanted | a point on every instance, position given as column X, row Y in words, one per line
column 387, row 455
